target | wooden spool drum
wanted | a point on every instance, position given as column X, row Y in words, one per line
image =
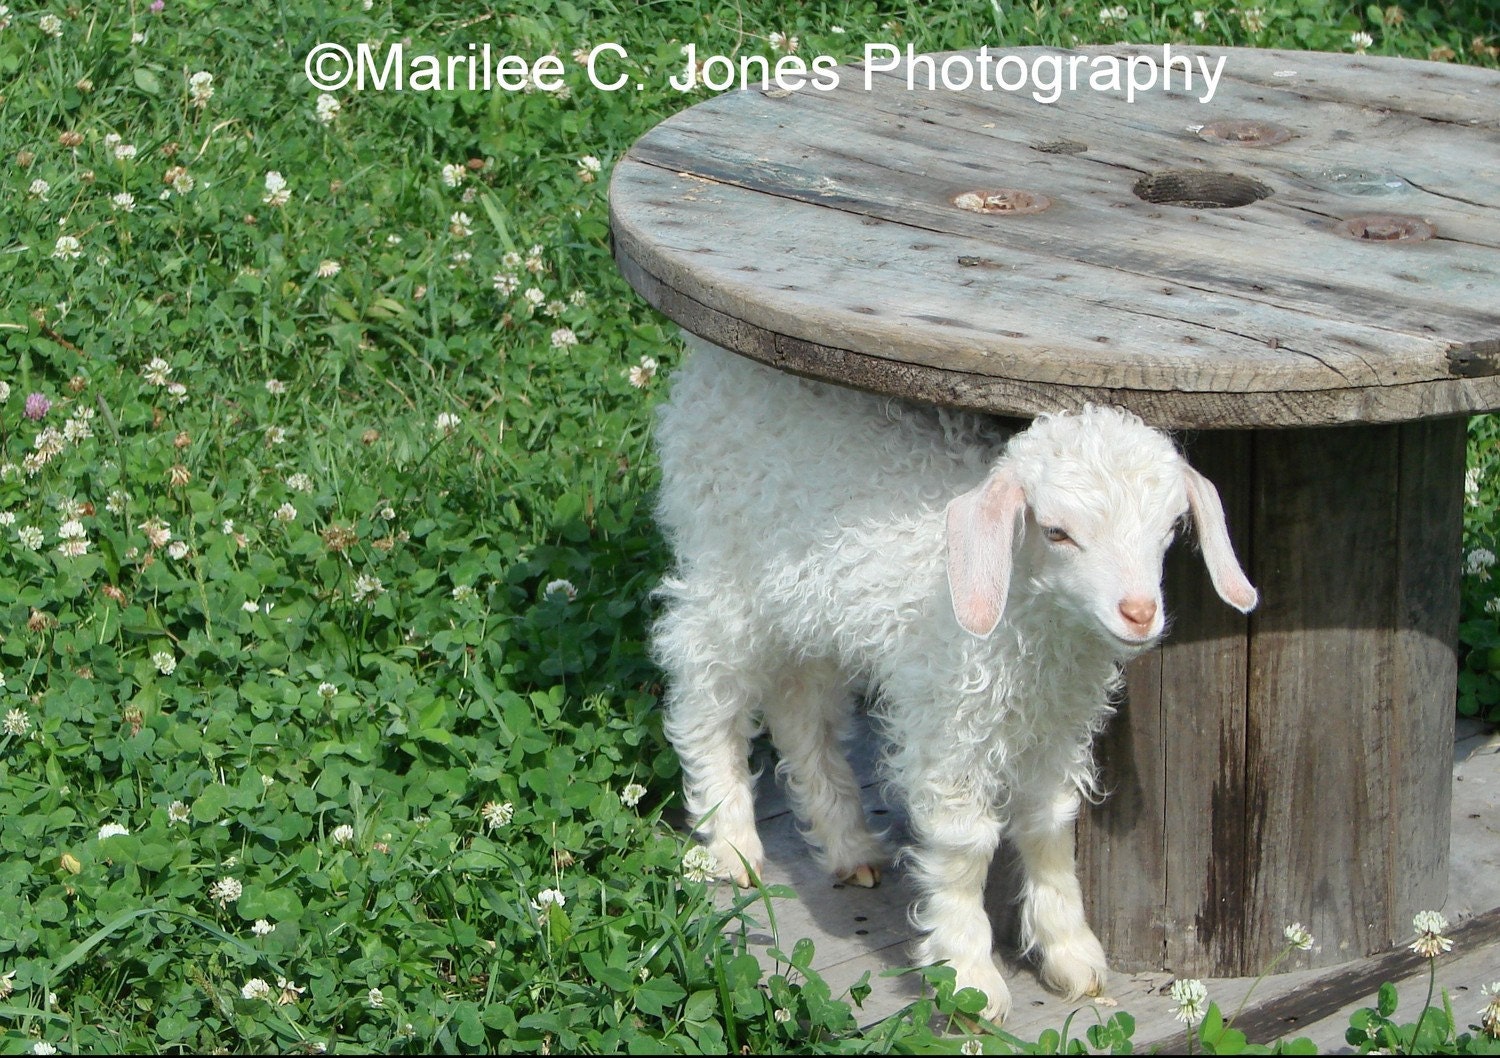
column 1303, row 279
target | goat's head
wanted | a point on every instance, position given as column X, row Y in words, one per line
column 1086, row 505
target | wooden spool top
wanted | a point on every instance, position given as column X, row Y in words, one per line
column 985, row 250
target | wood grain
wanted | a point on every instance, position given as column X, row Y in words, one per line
column 820, row 214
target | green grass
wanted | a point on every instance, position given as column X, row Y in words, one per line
column 314, row 720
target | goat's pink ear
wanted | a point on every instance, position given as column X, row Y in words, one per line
column 981, row 540
column 1213, row 539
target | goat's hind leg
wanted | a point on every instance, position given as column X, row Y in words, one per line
column 1052, row 918
column 714, row 686
column 808, row 709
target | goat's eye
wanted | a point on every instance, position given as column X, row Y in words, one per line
column 1056, row 535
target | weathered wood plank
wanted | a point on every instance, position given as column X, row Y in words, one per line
column 962, row 293
column 1318, row 798
column 886, row 373
column 1477, row 953
column 830, row 194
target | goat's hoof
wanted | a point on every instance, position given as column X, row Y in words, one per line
column 1076, row 969
column 865, row 876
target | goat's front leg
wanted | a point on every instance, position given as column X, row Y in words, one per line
column 1052, row 917
column 952, row 860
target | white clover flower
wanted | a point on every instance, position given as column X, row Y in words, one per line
column 1430, row 927
column 277, row 192
column 563, row 337
column 299, row 482
column 505, row 284
column 375, row 998
column 1489, row 1014
column 43, row 1047
column 453, row 174
column 326, row 689
column 116, row 501
column 165, row 663
column 177, row 812
column 1492, row 605
column 463, row 593
column 51, row 25
column 1361, row 40
column 1472, row 477
column 1254, row 19
column 548, row 898
column 534, row 296
column 534, row 262
column 255, row 988
column 157, row 371
column 1298, row 937
column 328, row 268
column 201, row 87
column 124, row 152
column 561, row 587
column 124, row 201
column 16, row 723
column 327, row 109
column 1478, row 562
column 158, row 533
column 1191, row 999
column 1114, row 14
column 67, row 248
column 30, row 537
column 497, row 814
column 446, row 422
column 783, row 1015
column 641, row 374
column 367, row 589
column 39, row 189
column 460, row 224
column 285, row 513
column 632, row 794
column 112, row 830
column 343, row 834
column 969, row 1046
column 698, row 864
column 225, row 891
column 275, row 435
column 290, row 993
column 275, row 387
column 71, row 530
column 4, row 392
column 263, row 928
column 511, row 260
column 784, row 43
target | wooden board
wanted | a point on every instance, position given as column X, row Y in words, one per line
column 863, row 931
column 818, row 230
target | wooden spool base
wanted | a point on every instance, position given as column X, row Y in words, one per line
column 1295, row 765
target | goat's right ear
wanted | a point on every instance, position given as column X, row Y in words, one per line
column 981, row 542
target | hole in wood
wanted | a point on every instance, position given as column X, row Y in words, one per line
column 1003, row 200
column 1199, row 189
column 1245, row 133
column 1386, row 227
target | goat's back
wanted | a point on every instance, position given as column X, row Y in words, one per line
column 757, row 461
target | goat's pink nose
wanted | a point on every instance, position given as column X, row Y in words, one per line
column 1139, row 612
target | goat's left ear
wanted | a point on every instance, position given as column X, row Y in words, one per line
column 1213, row 539
column 981, row 544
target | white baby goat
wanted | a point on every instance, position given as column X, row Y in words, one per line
column 830, row 542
